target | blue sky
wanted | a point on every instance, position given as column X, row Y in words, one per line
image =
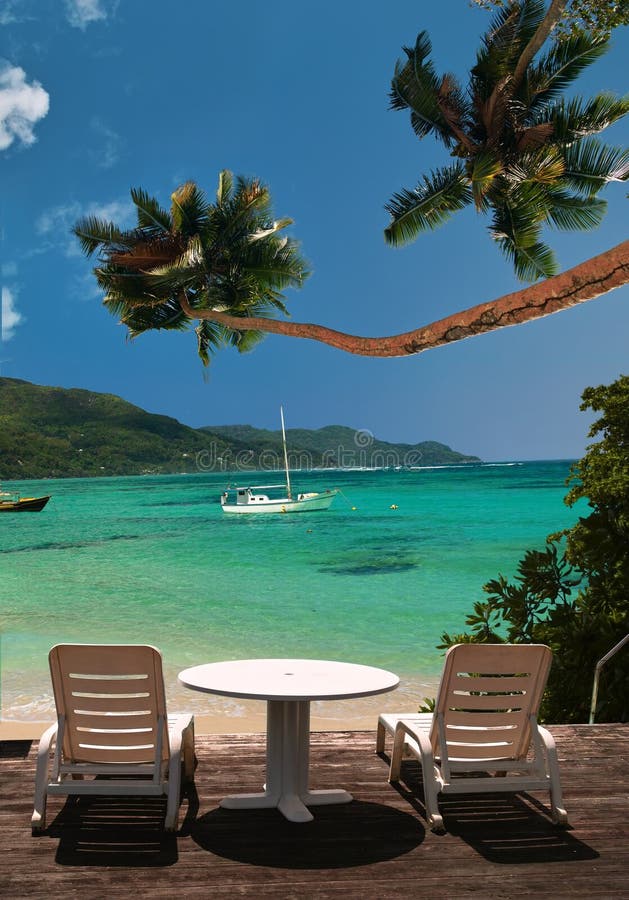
column 97, row 96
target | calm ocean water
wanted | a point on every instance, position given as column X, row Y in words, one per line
column 155, row 560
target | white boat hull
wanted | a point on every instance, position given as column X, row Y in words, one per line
column 261, row 504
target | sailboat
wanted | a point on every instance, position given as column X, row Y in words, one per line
column 251, row 500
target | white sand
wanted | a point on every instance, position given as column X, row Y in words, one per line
column 249, row 716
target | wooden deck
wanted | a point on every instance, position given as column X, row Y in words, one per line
column 377, row 846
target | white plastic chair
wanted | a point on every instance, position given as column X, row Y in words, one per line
column 485, row 724
column 111, row 721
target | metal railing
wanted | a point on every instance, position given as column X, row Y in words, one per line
column 597, row 673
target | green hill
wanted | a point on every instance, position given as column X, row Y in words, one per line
column 337, row 445
column 50, row 432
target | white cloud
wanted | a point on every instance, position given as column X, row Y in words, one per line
column 81, row 13
column 9, row 269
column 22, row 105
column 11, row 318
column 7, row 14
column 109, row 144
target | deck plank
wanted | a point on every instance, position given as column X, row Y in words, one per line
column 498, row 846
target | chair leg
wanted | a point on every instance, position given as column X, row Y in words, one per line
column 431, row 798
column 38, row 819
column 380, row 737
column 189, row 756
column 396, row 754
column 559, row 814
column 173, row 797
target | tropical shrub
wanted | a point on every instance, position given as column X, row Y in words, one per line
column 574, row 594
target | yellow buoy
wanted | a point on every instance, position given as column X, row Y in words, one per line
column 393, row 506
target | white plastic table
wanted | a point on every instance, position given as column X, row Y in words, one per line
column 288, row 686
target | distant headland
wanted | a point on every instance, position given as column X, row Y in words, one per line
column 52, row 432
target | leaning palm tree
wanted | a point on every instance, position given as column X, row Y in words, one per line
column 523, row 154
column 223, row 256
column 225, row 265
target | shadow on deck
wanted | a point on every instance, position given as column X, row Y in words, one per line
column 379, row 845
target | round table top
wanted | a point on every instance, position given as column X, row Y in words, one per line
column 289, row 679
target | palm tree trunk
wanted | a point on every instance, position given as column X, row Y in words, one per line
column 553, row 14
column 590, row 279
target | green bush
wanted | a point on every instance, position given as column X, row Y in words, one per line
column 574, row 594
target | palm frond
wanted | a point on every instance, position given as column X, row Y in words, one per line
column 484, row 169
column 534, row 136
column 189, row 210
column 428, row 206
column 247, row 212
column 571, row 213
column 509, row 32
column 118, row 283
column 210, row 337
column 516, row 227
column 565, row 61
column 543, row 166
column 225, row 187
column 416, row 86
column 93, row 233
column 532, row 262
column 147, row 255
column 419, row 69
column 278, row 263
column 497, row 53
column 245, row 341
column 577, row 118
column 590, row 165
column 151, row 217
column 167, row 316
column 531, row 15
column 273, row 229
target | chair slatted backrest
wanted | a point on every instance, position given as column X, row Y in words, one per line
column 486, row 695
column 112, row 699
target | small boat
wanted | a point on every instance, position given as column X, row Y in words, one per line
column 15, row 503
column 250, row 500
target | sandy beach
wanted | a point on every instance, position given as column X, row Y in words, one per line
column 249, row 716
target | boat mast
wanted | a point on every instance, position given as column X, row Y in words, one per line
column 288, row 490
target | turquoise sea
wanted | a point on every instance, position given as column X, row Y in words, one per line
column 155, row 560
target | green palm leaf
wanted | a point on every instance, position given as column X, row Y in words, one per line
column 225, row 187
column 561, row 66
column 543, row 166
column 415, row 86
column 509, row 32
column 516, row 227
column 590, row 165
column 245, row 341
column 572, row 213
column 428, row 206
column 484, row 169
column 532, row 262
column 189, row 209
column 93, row 233
column 210, row 337
column 151, row 217
column 578, row 119
column 168, row 316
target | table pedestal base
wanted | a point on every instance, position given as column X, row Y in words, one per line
column 287, row 766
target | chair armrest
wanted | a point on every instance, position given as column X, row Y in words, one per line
column 47, row 740
column 421, row 738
